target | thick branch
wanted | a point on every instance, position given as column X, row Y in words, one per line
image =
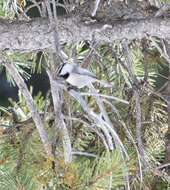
column 35, row 34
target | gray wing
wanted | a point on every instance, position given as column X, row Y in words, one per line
column 83, row 71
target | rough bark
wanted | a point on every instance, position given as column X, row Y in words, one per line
column 34, row 35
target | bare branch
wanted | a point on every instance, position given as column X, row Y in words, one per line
column 29, row 101
column 60, row 125
column 104, row 96
column 35, row 4
column 163, row 10
column 95, row 7
column 84, row 154
column 108, row 123
column 99, row 122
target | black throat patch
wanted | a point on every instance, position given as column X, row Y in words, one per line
column 65, row 76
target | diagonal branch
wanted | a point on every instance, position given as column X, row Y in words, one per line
column 29, row 101
column 95, row 7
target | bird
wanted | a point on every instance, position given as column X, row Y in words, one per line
column 77, row 76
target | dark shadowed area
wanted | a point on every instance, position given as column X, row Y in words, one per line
column 39, row 82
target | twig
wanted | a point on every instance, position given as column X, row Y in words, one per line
column 139, row 124
column 104, row 96
column 136, row 89
column 97, row 119
column 74, row 54
column 46, row 105
column 163, row 166
column 104, row 124
column 54, row 11
column 128, row 135
column 35, row 4
column 144, row 47
column 84, row 154
column 162, row 51
column 90, row 54
column 137, row 98
column 163, row 10
column 43, row 10
column 49, row 11
column 92, row 127
column 95, row 8
column 60, row 125
column 107, row 121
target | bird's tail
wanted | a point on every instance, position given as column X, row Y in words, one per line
column 104, row 83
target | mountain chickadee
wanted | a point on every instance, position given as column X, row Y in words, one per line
column 77, row 76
